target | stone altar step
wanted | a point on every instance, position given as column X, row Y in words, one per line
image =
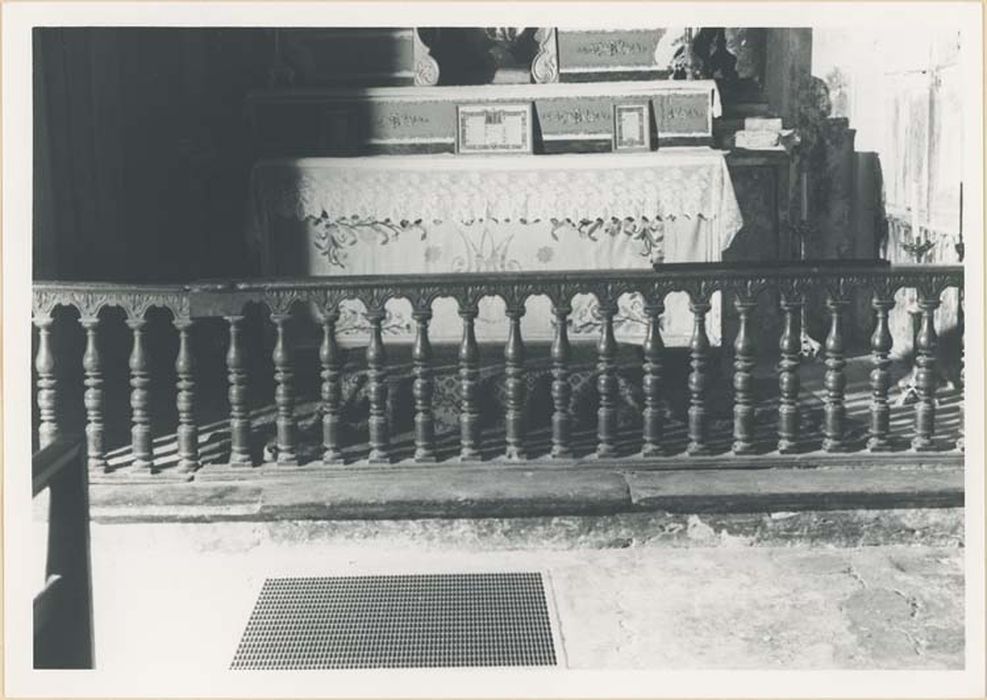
column 392, row 492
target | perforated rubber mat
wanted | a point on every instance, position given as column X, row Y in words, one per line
column 403, row 621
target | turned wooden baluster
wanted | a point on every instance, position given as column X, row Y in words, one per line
column 606, row 383
column 743, row 379
column 880, row 376
column 515, row 385
column 699, row 354
column 925, row 375
column 422, row 389
column 237, row 395
column 961, row 327
column 652, row 348
column 380, row 439
column 284, row 393
column 329, row 358
column 561, row 391
column 140, row 430
column 790, row 348
column 188, row 431
column 469, row 373
column 834, row 410
column 44, row 364
column 93, row 397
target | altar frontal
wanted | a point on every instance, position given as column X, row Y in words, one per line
column 390, row 215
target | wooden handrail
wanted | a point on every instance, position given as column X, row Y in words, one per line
column 770, row 269
column 47, row 601
column 47, row 464
column 218, row 298
column 699, row 280
column 63, row 623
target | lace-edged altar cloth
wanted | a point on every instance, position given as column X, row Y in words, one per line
column 424, row 214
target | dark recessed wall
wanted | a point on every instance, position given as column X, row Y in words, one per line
column 143, row 147
column 142, row 151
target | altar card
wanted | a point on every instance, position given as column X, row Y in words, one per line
column 631, row 127
column 493, row 128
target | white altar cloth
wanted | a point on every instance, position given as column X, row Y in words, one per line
column 423, row 214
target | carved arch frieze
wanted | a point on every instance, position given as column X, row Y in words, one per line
column 280, row 301
column 700, row 291
column 750, row 289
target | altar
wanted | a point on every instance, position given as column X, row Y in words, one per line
column 385, row 215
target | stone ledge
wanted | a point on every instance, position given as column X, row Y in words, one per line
column 796, row 489
column 936, row 527
column 448, row 491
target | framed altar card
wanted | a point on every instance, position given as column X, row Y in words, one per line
column 631, row 127
column 494, row 128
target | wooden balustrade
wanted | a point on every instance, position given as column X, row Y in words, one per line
column 561, row 391
column 653, row 416
column 135, row 300
column 835, row 383
column 239, row 408
column 789, row 347
column 283, row 299
column 698, row 376
column 423, row 389
column 284, row 392
column 93, row 398
column 606, row 383
column 880, row 376
column 961, row 327
column 187, row 433
column 515, row 386
column 469, row 380
column 925, row 364
column 140, row 421
column 329, row 357
column 377, row 390
column 743, row 377
column 44, row 365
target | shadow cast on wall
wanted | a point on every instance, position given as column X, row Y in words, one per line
column 142, row 150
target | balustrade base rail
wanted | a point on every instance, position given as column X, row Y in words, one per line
column 890, row 501
column 662, row 406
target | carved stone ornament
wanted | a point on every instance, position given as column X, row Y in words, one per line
column 545, row 66
column 426, row 67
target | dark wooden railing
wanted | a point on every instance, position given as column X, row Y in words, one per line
column 745, row 286
column 63, row 614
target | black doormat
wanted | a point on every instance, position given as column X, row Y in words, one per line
column 399, row 621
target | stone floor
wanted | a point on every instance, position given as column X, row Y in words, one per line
column 177, row 596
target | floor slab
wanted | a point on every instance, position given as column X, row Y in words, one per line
column 177, row 596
